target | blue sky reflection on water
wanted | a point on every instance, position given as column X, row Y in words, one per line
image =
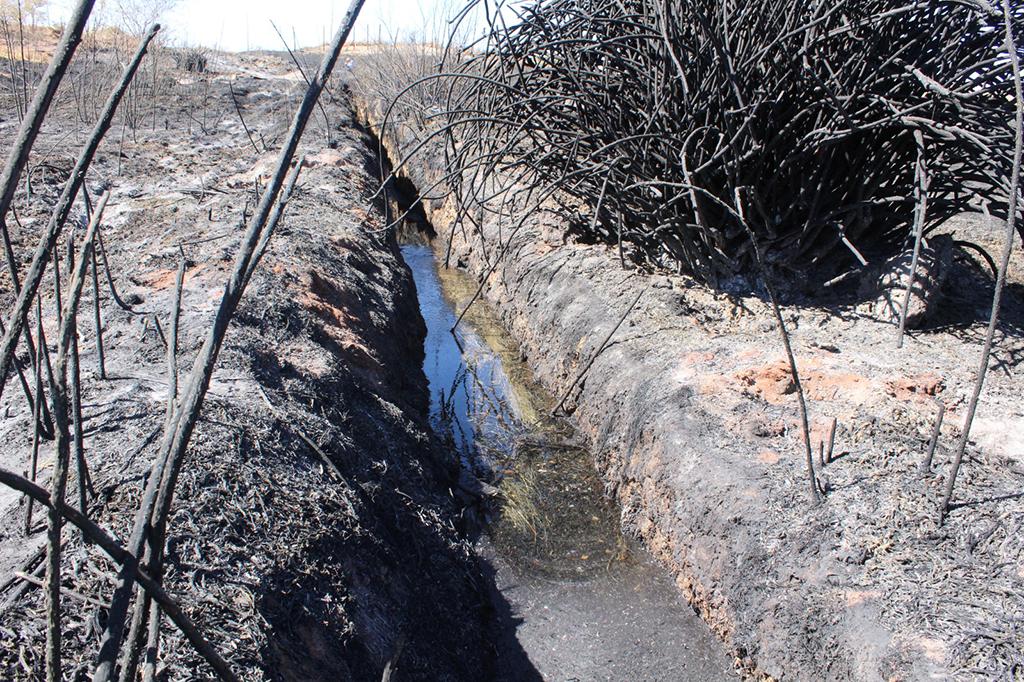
column 470, row 394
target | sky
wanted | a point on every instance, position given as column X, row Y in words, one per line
column 245, row 24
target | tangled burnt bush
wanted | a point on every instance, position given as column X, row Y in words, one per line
column 192, row 60
column 689, row 126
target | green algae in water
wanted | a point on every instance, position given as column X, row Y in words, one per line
column 553, row 518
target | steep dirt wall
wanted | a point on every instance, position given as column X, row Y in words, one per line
column 742, row 542
column 312, row 535
column 691, row 415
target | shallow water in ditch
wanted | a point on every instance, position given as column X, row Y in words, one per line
column 573, row 600
column 552, row 517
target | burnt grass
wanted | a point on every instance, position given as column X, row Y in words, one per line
column 312, row 534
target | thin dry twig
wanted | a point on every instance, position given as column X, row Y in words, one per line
column 600, row 349
column 160, row 486
column 1004, row 263
column 238, row 110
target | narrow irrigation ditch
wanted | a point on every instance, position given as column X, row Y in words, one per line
column 573, row 599
column 687, row 409
column 571, row 596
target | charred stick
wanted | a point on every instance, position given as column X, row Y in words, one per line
column 152, row 644
column 158, row 494
column 63, row 209
column 172, row 345
column 31, row 124
column 58, row 481
column 84, row 480
column 34, row 567
column 787, row 345
column 921, row 211
column 110, row 279
column 38, row 582
column 831, row 440
column 926, row 465
column 34, row 464
column 76, row 379
column 134, row 641
column 97, row 319
column 1004, row 264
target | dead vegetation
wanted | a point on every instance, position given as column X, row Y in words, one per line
column 130, row 631
column 778, row 152
column 779, row 142
column 813, row 127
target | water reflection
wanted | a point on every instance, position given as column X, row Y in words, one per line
column 472, row 401
column 554, row 517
